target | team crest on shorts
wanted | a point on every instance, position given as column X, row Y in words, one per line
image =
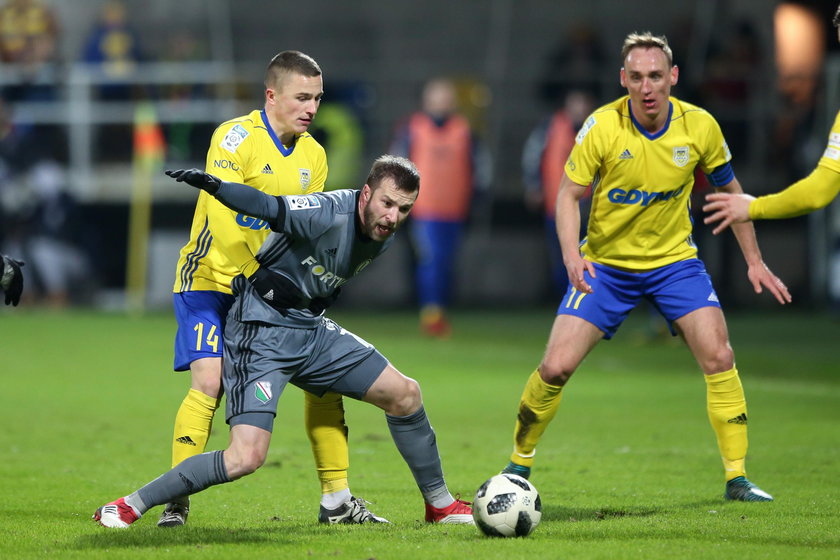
column 681, row 155
column 305, row 177
column 262, row 390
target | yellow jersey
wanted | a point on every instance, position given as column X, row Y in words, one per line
column 223, row 242
column 641, row 183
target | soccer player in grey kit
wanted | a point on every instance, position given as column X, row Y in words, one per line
column 276, row 334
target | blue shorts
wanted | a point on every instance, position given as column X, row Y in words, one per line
column 675, row 290
column 201, row 318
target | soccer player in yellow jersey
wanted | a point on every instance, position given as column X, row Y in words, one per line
column 270, row 150
column 639, row 154
column 813, row 192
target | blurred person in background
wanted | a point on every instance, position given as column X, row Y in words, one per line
column 642, row 150
column 543, row 158
column 44, row 227
column 28, row 45
column 815, row 191
column 11, row 279
column 114, row 47
column 453, row 166
column 271, row 151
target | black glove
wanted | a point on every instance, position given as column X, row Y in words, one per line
column 196, row 178
column 11, row 279
column 275, row 289
column 320, row 304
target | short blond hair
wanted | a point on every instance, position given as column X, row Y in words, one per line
column 647, row 40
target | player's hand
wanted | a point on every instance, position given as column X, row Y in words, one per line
column 760, row 276
column 727, row 209
column 11, row 280
column 196, row 178
column 320, row 304
column 575, row 267
column 275, row 289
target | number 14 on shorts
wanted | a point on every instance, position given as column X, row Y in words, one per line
column 212, row 339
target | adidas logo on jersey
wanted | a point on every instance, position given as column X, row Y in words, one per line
column 332, row 252
column 740, row 419
column 187, row 440
column 267, row 169
column 626, row 155
column 713, row 297
column 269, row 295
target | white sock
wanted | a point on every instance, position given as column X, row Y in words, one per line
column 335, row 499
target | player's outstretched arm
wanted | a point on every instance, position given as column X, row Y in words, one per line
column 760, row 276
column 726, row 209
column 236, row 196
column 815, row 191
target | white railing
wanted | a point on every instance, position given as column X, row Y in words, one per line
column 77, row 111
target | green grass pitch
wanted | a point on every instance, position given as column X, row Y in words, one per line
column 628, row 469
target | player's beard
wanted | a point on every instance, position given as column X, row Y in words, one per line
column 369, row 226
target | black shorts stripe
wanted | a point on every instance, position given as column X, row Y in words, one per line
column 193, row 259
column 240, row 368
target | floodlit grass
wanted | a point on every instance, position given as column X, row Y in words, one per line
column 628, row 469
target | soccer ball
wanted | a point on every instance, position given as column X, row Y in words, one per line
column 507, row 505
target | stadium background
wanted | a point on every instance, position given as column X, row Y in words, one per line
column 202, row 62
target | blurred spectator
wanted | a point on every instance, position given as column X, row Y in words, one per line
column 543, row 159
column 733, row 69
column 42, row 229
column 19, row 145
column 452, row 166
column 186, row 140
column 28, row 35
column 574, row 63
column 114, row 46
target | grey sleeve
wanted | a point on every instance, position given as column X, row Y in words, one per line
column 252, row 202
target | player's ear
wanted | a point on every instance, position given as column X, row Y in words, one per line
column 270, row 95
column 622, row 77
column 675, row 74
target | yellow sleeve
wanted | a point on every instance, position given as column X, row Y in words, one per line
column 319, row 172
column 813, row 192
column 585, row 159
column 228, row 237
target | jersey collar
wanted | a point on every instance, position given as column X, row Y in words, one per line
column 641, row 129
column 283, row 149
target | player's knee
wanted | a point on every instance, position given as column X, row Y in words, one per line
column 211, row 388
column 408, row 399
column 243, row 462
column 206, row 376
column 555, row 372
column 722, row 359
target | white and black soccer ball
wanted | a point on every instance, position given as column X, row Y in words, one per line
column 507, row 505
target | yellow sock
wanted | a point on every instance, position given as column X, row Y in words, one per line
column 192, row 425
column 324, row 417
column 728, row 415
column 537, row 407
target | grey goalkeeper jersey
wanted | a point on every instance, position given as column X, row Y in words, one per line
column 319, row 247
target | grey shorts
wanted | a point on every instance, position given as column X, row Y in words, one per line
column 261, row 359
